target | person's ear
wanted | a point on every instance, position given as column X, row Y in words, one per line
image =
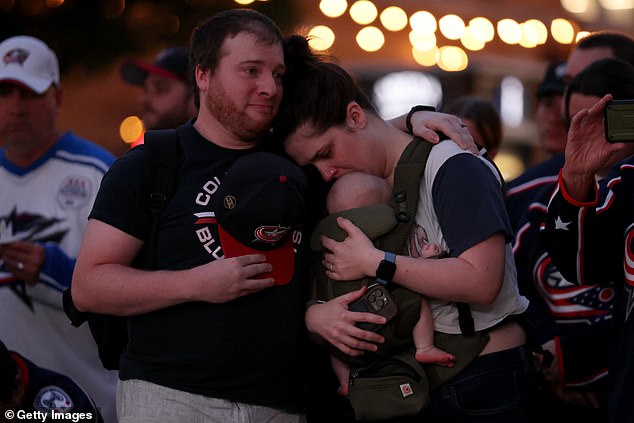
column 202, row 77
column 356, row 117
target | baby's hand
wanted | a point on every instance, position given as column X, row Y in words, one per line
column 431, row 251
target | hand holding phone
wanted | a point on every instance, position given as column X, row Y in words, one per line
column 376, row 300
column 619, row 121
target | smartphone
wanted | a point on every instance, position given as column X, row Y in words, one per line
column 619, row 121
column 376, row 300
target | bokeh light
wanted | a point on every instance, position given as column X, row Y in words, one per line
column 393, row 18
column 370, row 38
column 451, row 26
column 422, row 42
column 452, row 59
column 509, row 31
column 130, row 129
column 576, row 6
column 481, row 29
column 363, row 12
column 426, row 57
column 423, row 22
column 333, row 8
column 321, row 37
column 617, row 4
column 470, row 41
column 562, row 31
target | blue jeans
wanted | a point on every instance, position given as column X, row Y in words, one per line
column 500, row 387
column 497, row 387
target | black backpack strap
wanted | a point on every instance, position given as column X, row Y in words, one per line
column 405, row 194
column 407, row 176
column 160, row 182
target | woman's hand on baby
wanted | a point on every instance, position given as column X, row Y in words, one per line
column 353, row 258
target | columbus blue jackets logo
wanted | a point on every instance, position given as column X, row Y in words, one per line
column 569, row 302
column 74, row 192
column 270, row 234
column 52, row 398
column 17, row 55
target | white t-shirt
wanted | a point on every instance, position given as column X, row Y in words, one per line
column 460, row 205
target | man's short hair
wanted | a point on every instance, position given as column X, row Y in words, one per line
column 622, row 46
column 207, row 39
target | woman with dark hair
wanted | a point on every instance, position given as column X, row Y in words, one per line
column 326, row 121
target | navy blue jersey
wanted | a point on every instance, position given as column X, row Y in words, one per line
column 593, row 243
column 51, row 392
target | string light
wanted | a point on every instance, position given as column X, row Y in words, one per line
column 333, row 8
column 481, row 29
column 370, row 38
column 393, row 18
column 452, row 59
column 422, row 42
column 509, row 31
column 363, row 12
column 423, row 22
column 562, row 31
column 321, row 37
column 452, row 27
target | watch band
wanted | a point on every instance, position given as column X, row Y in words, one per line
column 387, row 268
column 419, row 108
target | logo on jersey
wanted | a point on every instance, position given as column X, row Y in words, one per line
column 27, row 227
column 17, row 55
column 52, row 398
column 569, row 302
column 74, row 192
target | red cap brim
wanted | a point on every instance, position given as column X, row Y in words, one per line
column 281, row 258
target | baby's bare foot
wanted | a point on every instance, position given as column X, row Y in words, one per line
column 435, row 355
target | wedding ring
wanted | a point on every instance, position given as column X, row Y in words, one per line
column 20, row 266
column 331, row 267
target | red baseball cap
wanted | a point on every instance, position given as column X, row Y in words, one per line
column 172, row 62
column 258, row 205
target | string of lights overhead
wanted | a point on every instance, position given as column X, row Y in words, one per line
column 424, row 29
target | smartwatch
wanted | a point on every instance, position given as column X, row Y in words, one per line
column 408, row 119
column 387, row 268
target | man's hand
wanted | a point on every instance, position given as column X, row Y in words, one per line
column 588, row 152
column 24, row 259
column 425, row 124
column 226, row 279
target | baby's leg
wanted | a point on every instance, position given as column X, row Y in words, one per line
column 342, row 371
column 423, row 334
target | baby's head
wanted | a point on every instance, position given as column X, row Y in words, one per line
column 357, row 189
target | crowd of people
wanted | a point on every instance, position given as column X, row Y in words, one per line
column 521, row 290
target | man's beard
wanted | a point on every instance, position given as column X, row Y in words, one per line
column 235, row 120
